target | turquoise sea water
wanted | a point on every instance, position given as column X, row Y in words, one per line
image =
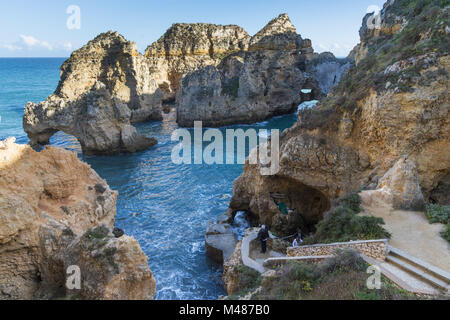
column 166, row 207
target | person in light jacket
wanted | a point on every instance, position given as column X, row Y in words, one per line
column 297, row 242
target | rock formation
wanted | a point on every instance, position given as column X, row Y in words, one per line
column 56, row 213
column 219, row 74
column 393, row 104
column 327, row 70
column 250, row 86
column 187, row 47
column 104, row 87
column 398, row 189
column 219, row 241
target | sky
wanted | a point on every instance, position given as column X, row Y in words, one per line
column 51, row 28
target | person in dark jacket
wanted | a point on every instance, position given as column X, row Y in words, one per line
column 263, row 235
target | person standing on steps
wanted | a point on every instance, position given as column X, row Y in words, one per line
column 263, row 235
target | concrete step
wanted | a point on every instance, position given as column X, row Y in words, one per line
column 406, row 280
column 422, row 265
column 418, row 272
column 402, row 278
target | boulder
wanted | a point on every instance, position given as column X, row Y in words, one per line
column 56, row 213
column 230, row 275
column 402, row 182
column 220, row 242
column 225, row 218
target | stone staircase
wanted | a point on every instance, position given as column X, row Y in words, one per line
column 428, row 277
column 408, row 272
column 412, row 274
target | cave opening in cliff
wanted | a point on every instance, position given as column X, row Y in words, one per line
column 299, row 206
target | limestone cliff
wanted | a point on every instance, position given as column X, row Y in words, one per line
column 394, row 103
column 249, row 86
column 104, row 87
column 328, row 70
column 56, row 212
column 187, row 47
column 218, row 74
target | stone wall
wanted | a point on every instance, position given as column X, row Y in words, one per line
column 376, row 249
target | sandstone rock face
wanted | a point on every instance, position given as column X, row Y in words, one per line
column 400, row 188
column 229, row 77
column 333, row 150
column 187, row 47
column 230, row 276
column 386, row 24
column 104, row 87
column 51, row 205
column 111, row 268
column 250, row 86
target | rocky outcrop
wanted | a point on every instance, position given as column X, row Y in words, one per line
column 327, row 70
column 250, row 86
column 230, row 274
column 399, row 188
column 57, row 214
column 220, row 241
column 187, row 47
column 393, row 104
column 104, row 87
column 218, row 74
column 385, row 24
column 111, row 268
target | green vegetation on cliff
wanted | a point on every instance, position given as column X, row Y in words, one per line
column 423, row 33
column 342, row 277
column 342, row 223
column 248, row 280
column 440, row 214
column 446, row 233
column 231, row 87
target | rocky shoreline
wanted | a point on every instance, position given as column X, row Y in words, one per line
column 381, row 129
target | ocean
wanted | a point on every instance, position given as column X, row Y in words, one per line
column 165, row 206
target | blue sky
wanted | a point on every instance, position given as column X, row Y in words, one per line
column 39, row 28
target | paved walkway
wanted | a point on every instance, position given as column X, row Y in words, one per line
column 412, row 233
column 251, row 252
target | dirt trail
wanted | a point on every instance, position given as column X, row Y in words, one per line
column 412, row 233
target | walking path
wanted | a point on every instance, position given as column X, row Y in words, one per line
column 407, row 271
column 412, row 233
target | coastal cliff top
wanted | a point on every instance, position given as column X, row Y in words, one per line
column 279, row 25
column 199, row 38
